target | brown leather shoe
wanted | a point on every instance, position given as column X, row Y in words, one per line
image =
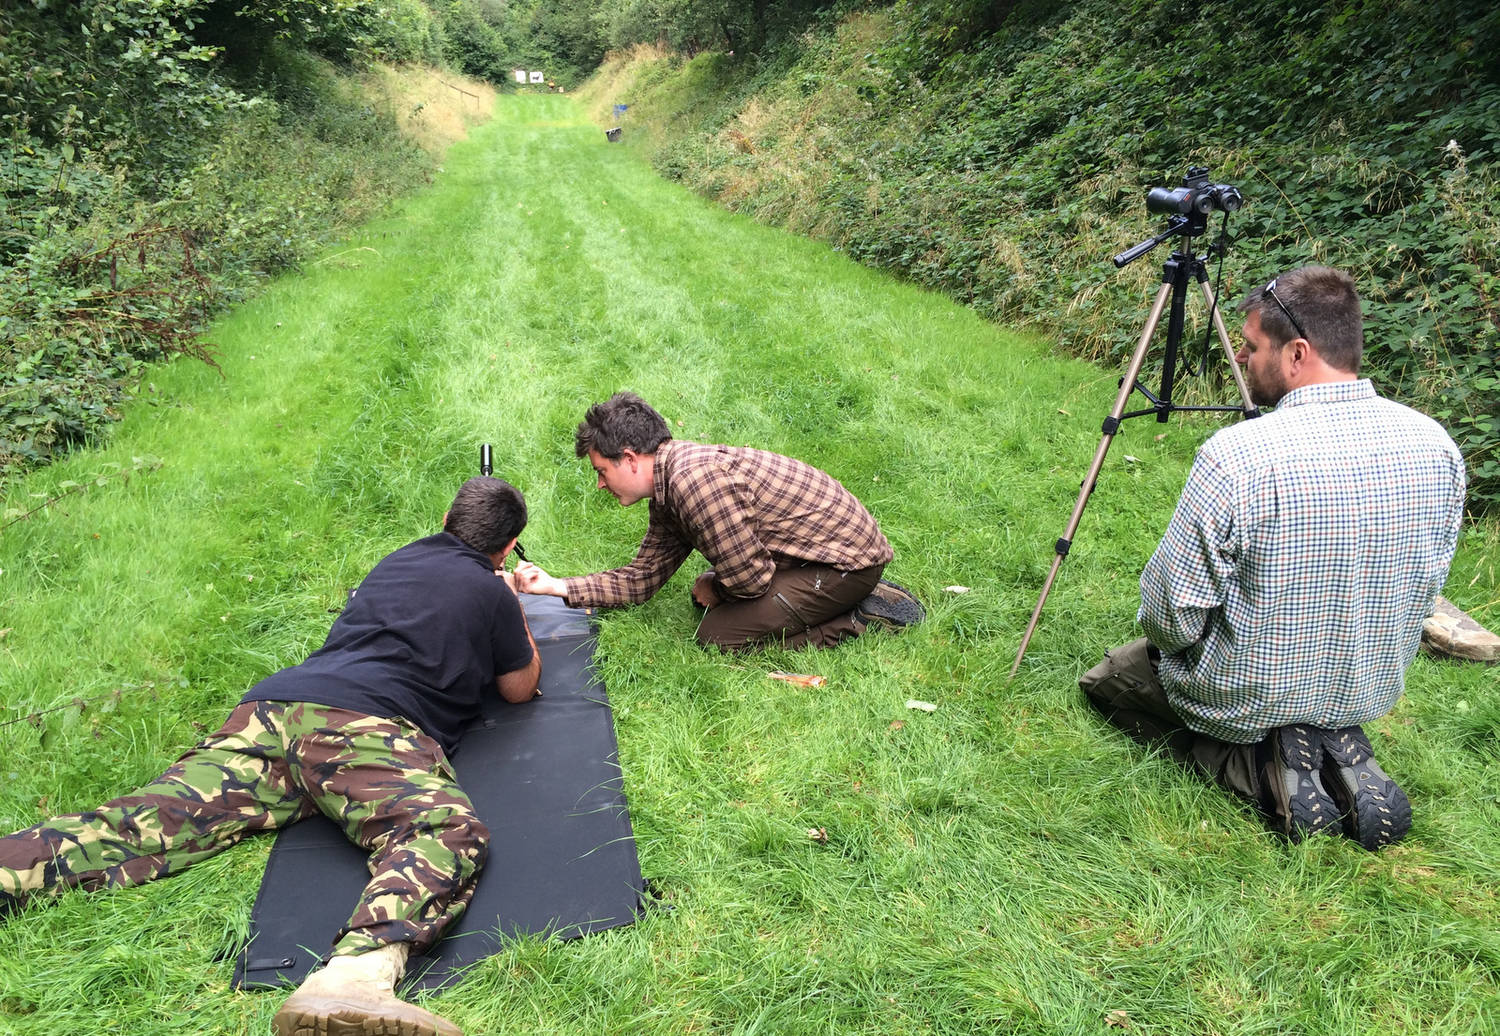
column 889, row 606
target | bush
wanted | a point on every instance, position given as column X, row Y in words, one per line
column 125, row 229
column 1000, row 153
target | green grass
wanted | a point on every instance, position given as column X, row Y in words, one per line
column 1006, row 863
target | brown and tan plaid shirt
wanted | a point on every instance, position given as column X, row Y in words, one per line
column 748, row 512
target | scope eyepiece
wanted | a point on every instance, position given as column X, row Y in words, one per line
column 1184, row 201
column 1196, row 195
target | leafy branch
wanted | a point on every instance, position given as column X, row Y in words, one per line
column 68, row 487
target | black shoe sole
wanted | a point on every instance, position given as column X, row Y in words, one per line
column 890, row 612
column 1376, row 811
column 1292, row 773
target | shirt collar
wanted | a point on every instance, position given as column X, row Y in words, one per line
column 1329, row 392
column 450, row 540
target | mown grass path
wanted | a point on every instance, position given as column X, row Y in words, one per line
column 1005, row 863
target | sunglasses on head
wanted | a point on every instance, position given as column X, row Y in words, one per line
column 1270, row 291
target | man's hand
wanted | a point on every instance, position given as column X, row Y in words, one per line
column 530, row 579
column 508, row 577
column 704, row 594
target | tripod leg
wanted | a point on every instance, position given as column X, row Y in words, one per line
column 1251, row 410
column 1111, row 425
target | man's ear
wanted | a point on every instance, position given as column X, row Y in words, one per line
column 445, row 518
column 627, row 454
column 1301, row 351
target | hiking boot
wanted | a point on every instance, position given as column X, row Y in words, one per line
column 1376, row 811
column 1301, row 806
column 890, row 607
column 354, row 995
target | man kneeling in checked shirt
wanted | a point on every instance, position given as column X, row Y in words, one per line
column 796, row 558
column 1286, row 599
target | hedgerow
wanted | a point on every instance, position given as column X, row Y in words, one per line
column 159, row 160
column 1000, row 153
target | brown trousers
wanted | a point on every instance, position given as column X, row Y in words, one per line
column 805, row 604
column 1126, row 689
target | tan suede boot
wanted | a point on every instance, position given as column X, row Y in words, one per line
column 355, row 995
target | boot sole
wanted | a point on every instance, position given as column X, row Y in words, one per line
column 330, row 1016
column 894, row 612
column 1375, row 809
column 1293, row 775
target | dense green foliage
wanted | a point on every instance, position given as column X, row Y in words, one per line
column 1000, row 152
column 149, row 173
column 490, row 38
column 1007, row 864
column 752, row 27
column 568, row 38
column 160, row 158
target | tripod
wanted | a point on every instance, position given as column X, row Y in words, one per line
column 1182, row 267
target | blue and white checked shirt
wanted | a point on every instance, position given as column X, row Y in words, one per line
column 1305, row 552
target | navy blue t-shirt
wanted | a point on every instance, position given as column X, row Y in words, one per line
column 423, row 637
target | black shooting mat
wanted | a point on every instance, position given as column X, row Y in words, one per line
column 544, row 776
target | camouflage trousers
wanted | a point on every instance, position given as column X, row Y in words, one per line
column 387, row 784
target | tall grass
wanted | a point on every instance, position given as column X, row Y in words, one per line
column 1005, row 863
column 998, row 153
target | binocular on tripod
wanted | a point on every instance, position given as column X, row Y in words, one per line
column 1189, row 206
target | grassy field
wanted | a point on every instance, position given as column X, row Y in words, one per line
column 1006, row 863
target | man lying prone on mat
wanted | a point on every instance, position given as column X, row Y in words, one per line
column 796, row 558
column 359, row 732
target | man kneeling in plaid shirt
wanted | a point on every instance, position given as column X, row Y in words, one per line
column 796, row 558
column 1286, row 599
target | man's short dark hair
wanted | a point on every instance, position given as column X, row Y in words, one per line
column 623, row 421
column 486, row 514
column 1324, row 302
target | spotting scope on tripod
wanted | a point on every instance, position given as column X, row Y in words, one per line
column 1188, row 208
